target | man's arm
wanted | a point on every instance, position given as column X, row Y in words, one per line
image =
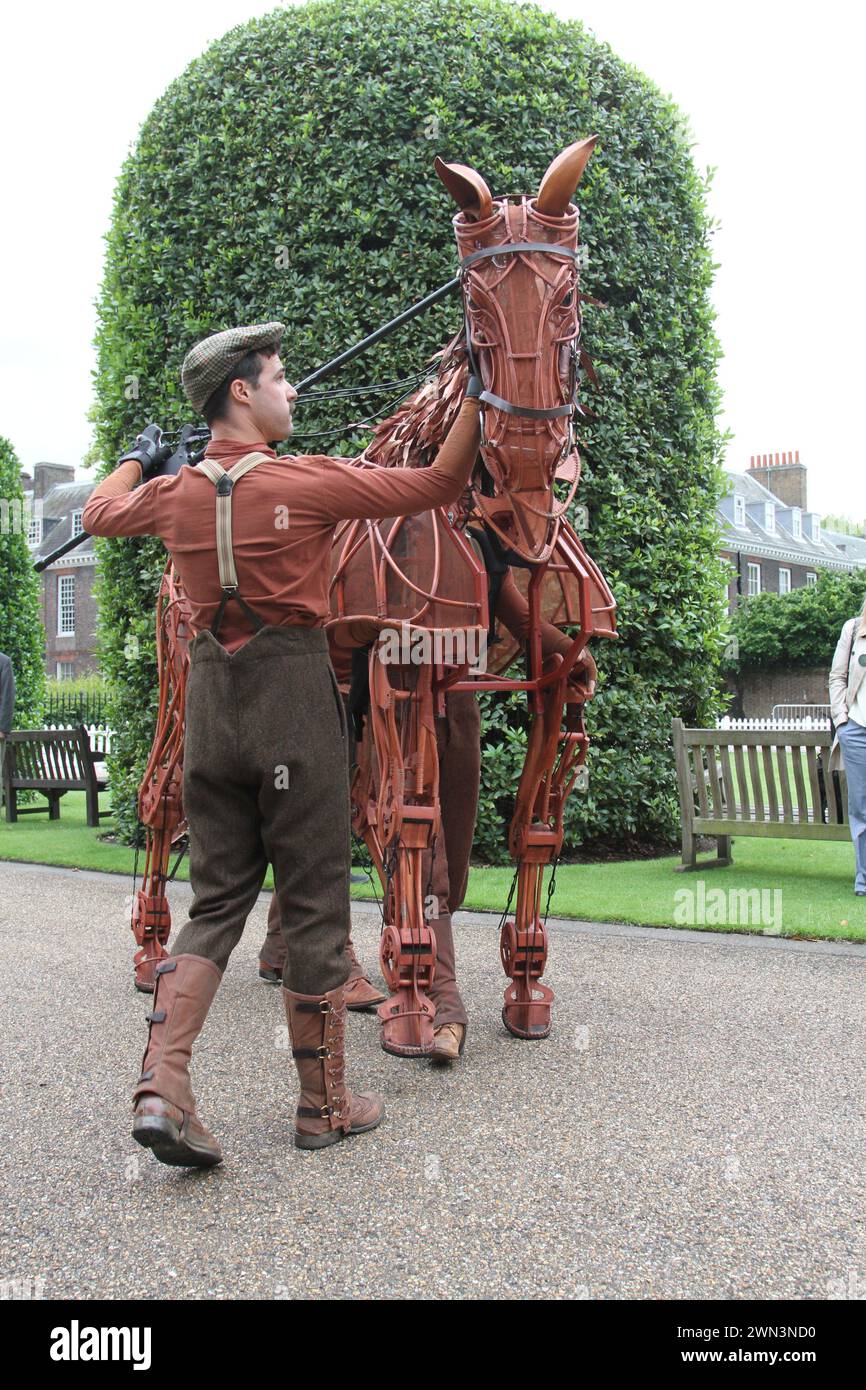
column 113, row 509
column 513, row 609
column 359, row 493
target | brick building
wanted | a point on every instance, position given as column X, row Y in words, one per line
column 68, row 604
column 771, row 539
column 774, row 544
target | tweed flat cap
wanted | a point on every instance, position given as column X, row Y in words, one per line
column 207, row 365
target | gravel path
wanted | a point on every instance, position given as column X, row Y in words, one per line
column 693, row 1128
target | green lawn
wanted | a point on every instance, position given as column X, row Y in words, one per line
column 815, row 881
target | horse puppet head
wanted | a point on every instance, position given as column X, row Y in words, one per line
column 519, row 271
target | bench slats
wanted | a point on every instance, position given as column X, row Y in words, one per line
column 772, row 794
column 757, row 796
column 802, row 799
column 727, row 779
column 701, row 782
column 812, row 764
column 716, row 791
column 783, row 768
column 742, row 781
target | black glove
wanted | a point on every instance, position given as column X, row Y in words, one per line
column 474, row 386
column 149, row 451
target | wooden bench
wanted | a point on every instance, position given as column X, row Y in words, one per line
column 765, row 782
column 53, row 762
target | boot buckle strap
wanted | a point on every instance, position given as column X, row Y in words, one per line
column 165, row 967
column 315, row 1006
column 313, row 1112
column 320, row 1052
column 157, row 1017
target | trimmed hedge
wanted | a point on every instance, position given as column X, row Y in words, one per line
column 800, row 628
column 288, row 174
column 22, row 636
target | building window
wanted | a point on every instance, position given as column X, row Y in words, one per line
column 811, row 577
column 797, row 524
column 66, row 605
column 33, row 512
column 739, row 509
column 754, row 580
column 770, row 518
column 65, row 670
column 77, row 526
column 784, row 581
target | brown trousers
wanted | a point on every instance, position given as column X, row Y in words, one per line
column 458, row 740
column 266, row 780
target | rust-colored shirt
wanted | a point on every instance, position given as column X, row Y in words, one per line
column 284, row 513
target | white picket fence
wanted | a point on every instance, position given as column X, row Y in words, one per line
column 809, row 722
column 100, row 736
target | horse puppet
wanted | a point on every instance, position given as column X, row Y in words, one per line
column 410, row 617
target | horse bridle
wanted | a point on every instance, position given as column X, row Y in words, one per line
column 551, row 412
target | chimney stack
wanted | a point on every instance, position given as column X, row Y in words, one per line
column 783, row 475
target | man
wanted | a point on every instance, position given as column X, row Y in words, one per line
column 7, row 713
column 265, row 762
column 458, row 741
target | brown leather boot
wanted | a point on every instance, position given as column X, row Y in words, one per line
column 327, row 1109
column 450, row 1024
column 165, row 1118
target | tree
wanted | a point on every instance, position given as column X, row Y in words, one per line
column 288, row 174
column 22, row 636
column 800, row 628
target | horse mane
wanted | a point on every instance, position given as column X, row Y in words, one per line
column 410, row 438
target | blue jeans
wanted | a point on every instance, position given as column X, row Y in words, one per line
column 852, row 737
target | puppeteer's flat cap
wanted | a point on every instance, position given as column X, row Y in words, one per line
column 207, row 365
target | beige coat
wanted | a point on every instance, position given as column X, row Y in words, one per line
column 845, row 678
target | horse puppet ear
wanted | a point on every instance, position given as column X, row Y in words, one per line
column 467, row 188
column 562, row 177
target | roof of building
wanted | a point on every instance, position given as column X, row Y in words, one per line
column 58, row 504
column 854, row 547
column 782, row 545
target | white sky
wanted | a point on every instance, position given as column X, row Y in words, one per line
column 774, row 95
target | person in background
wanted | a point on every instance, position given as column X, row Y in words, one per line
column 848, row 713
column 7, row 712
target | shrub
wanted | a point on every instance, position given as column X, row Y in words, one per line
column 800, row 628
column 288, row 174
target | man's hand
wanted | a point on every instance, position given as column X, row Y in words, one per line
column 149, row 451
column 582, row 677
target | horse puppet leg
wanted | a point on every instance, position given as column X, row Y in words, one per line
column 408, row 821
column 160, row 797
column 553, row 756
